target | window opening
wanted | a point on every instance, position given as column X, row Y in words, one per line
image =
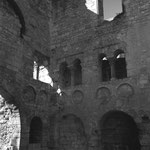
column 105, row 68
column 35, row 134
column 120, row 66
column 41, row 73
column 35, row 71
column 112, row 8
column 77, row 72
column 92, row 5
column 65, row 74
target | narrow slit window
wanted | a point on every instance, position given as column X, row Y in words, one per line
column 35, row 70
column 77, row 72
column 112, row 8
column 105, row 68
column 35, row 134
column 120, row 65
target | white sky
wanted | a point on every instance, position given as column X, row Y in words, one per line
column 110, row 7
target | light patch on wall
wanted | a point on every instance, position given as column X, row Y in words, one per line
column 111, row 9
column 41, row 73
column 35, row 70
column 92, row 5
column 59, row 91
column 44, row 75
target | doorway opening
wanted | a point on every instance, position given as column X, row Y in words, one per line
column 119, row 132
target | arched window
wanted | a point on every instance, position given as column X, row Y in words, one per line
column 65, row 75
column 120, row 65
column 35, row 134
column 105, row 68
column 71, row 126
column 77, row 69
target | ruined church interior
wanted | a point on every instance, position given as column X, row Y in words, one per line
column 73, row 76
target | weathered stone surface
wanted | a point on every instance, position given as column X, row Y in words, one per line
column 10, row 126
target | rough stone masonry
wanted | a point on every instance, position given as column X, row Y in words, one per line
column 99, row 98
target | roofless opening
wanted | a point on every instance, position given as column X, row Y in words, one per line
column 112, row 8
column 92, row 5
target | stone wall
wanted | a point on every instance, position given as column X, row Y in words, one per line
column 24, row 97
column 84, row 37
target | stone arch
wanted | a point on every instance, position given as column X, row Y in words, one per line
column 14, row 6
column 42, row 99
column 104, row 67
column 125, row 90
column 119, row 130
column 71, row 133
column 29, row 94
column 35, row 133
column 77, row 72
column 10, row 122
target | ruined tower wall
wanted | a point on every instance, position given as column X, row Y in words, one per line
column 93, row 98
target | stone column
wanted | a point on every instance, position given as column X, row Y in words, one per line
column 100, row 9
column 112, row 65
column 56, row 78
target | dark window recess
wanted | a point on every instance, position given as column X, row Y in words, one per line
column 77, row 72
column 120, row 66
column 105, row 68
column 65, row 74
column 35, row 134
column 119, row 132
column 13, row 5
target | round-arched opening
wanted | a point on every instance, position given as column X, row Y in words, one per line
column 105, row 68
column 35, row 134
column 119, row 131
column 120, row 64
column 77, row 72
column 71, row 133
column 65, row 75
